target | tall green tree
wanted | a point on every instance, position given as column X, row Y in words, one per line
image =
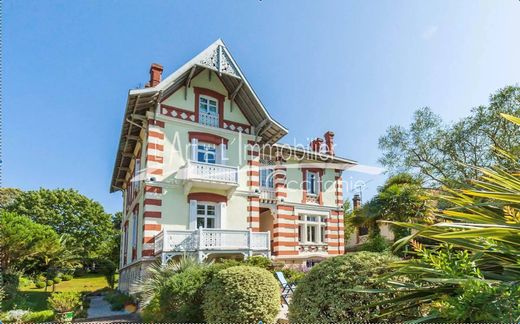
column 8, row 196
column 446, row 154
column 472, row 271
column 22, row 240
column 401, row 198
column 84, row 223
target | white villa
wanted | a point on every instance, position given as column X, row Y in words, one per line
column 201, row 172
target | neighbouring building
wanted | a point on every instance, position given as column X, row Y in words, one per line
column 359, row 235
column 202, row 173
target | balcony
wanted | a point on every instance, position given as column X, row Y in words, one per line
column 267, row 195
column 209, row 176
column 206, row 241
column 209, row 119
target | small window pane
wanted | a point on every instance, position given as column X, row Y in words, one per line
column 300, row 233
column 201, row 209
column 210, row 223
column 200, row 222
column 322, row 234
column 211, row 210
column 311, row 234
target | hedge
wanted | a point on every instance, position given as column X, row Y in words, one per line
column 242, row 294
column 37, row 317
column 325, row 295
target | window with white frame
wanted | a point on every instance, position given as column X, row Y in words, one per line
column 208, row 105
column 266, row 173
column 313, row 183
column 206, row 153
column 311, row 229
column 266, row 177
column 206, row 215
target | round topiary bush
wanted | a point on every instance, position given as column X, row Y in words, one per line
column 40, row 284
column 242, row 294
column 50, row 282
column 323, row 294
column 57, row 280
column 66, row 277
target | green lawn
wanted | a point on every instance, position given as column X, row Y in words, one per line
column 35, row 299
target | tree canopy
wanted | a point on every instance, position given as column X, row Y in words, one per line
column 447, row 154
column 22, row 240
column 83, row 222
column 401, row 198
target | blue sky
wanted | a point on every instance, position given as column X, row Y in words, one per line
column 354, row 67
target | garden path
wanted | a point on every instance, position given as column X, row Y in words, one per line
column 101, row 308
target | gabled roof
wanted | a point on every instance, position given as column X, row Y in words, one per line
column 217, row 58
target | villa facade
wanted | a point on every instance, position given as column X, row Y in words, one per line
column 202, row 173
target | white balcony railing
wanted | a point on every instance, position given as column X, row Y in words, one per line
column 209, row 239
column 267, row 194
column 208, row 119
column 211, row 172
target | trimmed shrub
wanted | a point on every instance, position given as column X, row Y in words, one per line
column 181, row 298
column 151, row 312
column 324, row 294
column 57, row 280
column 376, row 243
column 292, row 275
column 118, row 300
column 40, row 277
column 38, row 317
column 242, row 294
column 62, row 302
column 50, row 282
column 259, row 261
column 66, row 277
column 24, row 282
column 40, row 284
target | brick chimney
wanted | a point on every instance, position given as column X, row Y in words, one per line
column 316, row 144
column 155, row 74
column 329, row 142
column 356, row 202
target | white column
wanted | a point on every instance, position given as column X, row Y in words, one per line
column 193, row 215
column 222, row 215
column 194, row 143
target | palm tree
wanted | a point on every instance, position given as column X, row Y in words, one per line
column 472, row 273
column 157, row 277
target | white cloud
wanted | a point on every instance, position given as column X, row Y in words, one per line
column 429, row 32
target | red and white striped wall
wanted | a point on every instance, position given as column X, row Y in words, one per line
column 285, row 231
column 152, row 204
column 335, row 234
column 253, row 182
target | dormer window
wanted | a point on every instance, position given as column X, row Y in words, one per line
column 208, row 105
column 208, row 111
